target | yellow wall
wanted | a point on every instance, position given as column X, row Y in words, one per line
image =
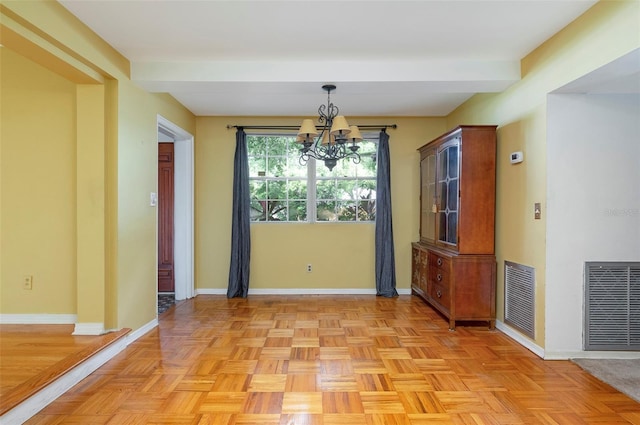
column 117, row 129
column 90, row 203
column 38, row 188
column 137, row 178
column 604, row 33
column 342, row 254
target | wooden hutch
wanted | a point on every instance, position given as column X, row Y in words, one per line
column 454, row 264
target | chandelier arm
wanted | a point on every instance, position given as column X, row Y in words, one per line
column 334, row 111
column 322, row 116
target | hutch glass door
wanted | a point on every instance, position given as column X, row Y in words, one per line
column 428, row 205
column 447, row 185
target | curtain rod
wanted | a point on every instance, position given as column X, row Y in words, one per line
column 295, row 127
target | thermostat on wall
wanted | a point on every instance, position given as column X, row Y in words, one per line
column 516, row 157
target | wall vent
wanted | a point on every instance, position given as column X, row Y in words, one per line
column 519, row 300
column 612, row 306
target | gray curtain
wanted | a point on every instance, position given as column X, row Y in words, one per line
column 240, row 230
column 385, row 256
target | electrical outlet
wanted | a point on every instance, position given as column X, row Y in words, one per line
column 308, row 268
column 537, row 211
column 27, row 282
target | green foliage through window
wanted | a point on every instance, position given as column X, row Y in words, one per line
column 284, row 190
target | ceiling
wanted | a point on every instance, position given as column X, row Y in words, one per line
column 270, row 58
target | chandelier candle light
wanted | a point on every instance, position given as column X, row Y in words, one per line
column 332, row 143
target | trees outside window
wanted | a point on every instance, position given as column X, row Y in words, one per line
column 284, row 190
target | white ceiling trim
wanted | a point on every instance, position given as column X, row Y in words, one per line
column 313, row 71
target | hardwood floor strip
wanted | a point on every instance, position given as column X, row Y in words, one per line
column 26, row 389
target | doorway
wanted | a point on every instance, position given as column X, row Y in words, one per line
column 183, row 207
column 166, row 281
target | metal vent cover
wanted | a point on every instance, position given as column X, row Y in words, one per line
column 612, row 306
column 519, row 300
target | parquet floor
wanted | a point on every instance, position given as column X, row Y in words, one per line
column 331, row 360
column 26, row 351
column 33, row 356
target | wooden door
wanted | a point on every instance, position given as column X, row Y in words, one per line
column 166, row 282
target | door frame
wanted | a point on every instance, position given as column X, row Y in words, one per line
column 183, row 202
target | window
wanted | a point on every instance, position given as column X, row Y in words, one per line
column 283, row 190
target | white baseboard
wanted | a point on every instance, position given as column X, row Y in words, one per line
column 567, row 355
column 38, row 319
column 89, row 328
column 563, row 355
column 134, row 335
column 211, row 291
column 521, row 339
column 301, row 291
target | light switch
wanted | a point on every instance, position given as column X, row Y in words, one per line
column 153, row 199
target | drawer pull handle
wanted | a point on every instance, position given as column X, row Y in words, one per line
column 439, row 261
column 439, row 293
column 439, row 277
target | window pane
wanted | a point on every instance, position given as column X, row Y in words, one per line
column 367, row 211
column 277, row 146
column 277, row 189
column 367, row 166
column 297, row 190
column 347, row 189
column 298, row 211
column 278, row 211
column 327, row 211
column 294, row 169
column 354, row 197
column 257, row 212
column 256, row 146
column 258, row 189
column 368, row 147
column 293, row 149
column 367, row 189
column 257, row 166
column 276, row 166
column 325, row 189
column 347, row 211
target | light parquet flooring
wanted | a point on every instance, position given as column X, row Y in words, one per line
column 33, row 356
column 331, row 360
column 27, row 350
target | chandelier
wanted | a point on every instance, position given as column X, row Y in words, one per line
column 336, row 139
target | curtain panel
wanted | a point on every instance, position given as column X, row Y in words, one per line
column 385, row 255
column 240, row 228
